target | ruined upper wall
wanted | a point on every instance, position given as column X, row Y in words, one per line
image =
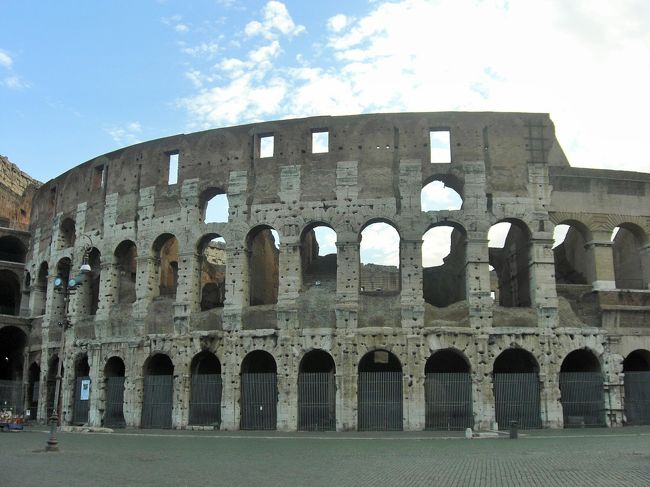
column 16, row 191
column 378, row 142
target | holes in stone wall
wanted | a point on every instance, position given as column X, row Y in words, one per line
column 380, row 254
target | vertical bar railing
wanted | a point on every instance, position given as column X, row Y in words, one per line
column 158, row 401
column 448, row 401
column 517, row 398
column 114, row 410
column 259, row 400
column 583, row 399
column 316, row 402
column 380, row 401
column 637, row 397
column 80, row 408
column 205, row 400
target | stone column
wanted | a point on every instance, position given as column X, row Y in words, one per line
column 477, row 280
column 347, row 280
column 187, row 291
column 96, row 386
column 290, row 283
column 181, row 407
column 599, row 251
column 108, row 290
column 230, row 394
column 411, row 297
column 542, row 279
column 482, row 386
column 237, row 292
column 146, row 285
column 613, row 378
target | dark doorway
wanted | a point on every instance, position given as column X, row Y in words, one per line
column 581, row 387
column 259, row 392
column 114, row 406
column 81, row 406
column 636, row 367
column 380, row 392
column 317, row 392
column 158, row 392
column 205, row 401
column 448, row 392
column 516, row 389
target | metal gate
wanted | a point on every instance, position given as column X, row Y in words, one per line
column 448, row 401
column 582, row 398
column 158, row 400
column 114, row 412
column 637, row 397
column 516, row 398
column 81, row 405
column 259, row 401
column 205, row 401
column 11, row 395
column 380, row 401
column 316, row 401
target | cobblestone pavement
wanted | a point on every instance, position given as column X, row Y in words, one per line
column 598, row 457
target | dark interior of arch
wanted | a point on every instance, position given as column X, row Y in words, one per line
column 92, row 280
column 168, row 254
column 12, row 346
column 125, row 259
column 159, row 364
column 570, row 258
column 511, row 268
column 628, row 265
column 81, row 367
column 12, row 249
column 376, row 278
column 445, row 284
column 213, row 273
column 637, row 361
column 9, row 293
column 205, row 363
column 263, row 268
column 67, row 233
column 379, row 361
column 580, row 361
column 515, row 360
column 114, row 367
column 446, row 361
column 258, row 362
column 317, row 361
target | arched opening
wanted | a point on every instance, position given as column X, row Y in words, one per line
column 317, row 392
column 212, row 249
column 573, row 264
column 636, row 367
column 158, row 392
column 52, row 369
column 448, row 392
column 205, row 401
column 581, row 387
column 126, row 265
column 165, row 248
column 630, row 268
column 58, row 301
column 67, row 233
column 516, row 389
column 81, row 405
column 114, row 376
column 12, row 250
column 40, row 290
column 34, row 381
column 509, row 257
column 380, row 392
column 263, row 265
column 9, row 293
column 259, row 391
column 443, row 265
column 214, row 206
column 318, row 257
column 12, row 348
column 379, row 252
column 436, row 196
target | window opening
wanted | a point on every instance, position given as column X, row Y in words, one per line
column 173, row 169
column 267, row 143
column 213, row 273
column 440, row 145
column 443, row 266
column 319, row 141
column 99, row 175
column 435, row 196
column 216, row 209
column 379, row 253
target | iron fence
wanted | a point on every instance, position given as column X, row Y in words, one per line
column 316, row 401
column 380, row 401
column 81, row 406
column 582, row 398
column 637, row 397
column 11, row 395
column 448, row 401
column 158, row 401
column 114, row 411
column 205, row 400
column 259, row 401
column 516, row 398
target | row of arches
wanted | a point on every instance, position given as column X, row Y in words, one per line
column 448, row 390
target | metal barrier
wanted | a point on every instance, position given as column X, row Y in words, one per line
column 205, row 400
column 448, row 401
column 11, row 395
column 582, row 398
column 516, row 398
column 81, row 406
column 637, row 397
column 158, row 400
column 259, row 401
column 316, row 401
column 380, row 401
column 114, row 409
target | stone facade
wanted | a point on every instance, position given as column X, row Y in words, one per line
column 520, row 308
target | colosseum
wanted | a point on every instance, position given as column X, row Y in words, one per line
column 254, row 319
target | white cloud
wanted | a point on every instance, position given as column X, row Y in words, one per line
column 337, row 23
column 125, row 135
column 14, row 82
column 379, row 245
column 5, row 60
column 436, row 245
column 204, row 49
column 181, row 28
column 436, row 196
column 276, row 21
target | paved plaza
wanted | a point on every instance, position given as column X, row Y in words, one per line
column 594, row 457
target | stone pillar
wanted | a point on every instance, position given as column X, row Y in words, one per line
column 237, row 292
column 181, row 408
column 95, row 415
column 477, row 281
column 346, row 400
column 482, row 386
column 41, row 412
column 613, row 378
column 599, row 251
column 230, row 394
column 187, row 291
column 290, row 283
column 644, row 254
column 133, row 399
column 411, row 297
column 146, row 285
column 347, row 280
column 108, row 290
column 542, row 279
column 287, row 402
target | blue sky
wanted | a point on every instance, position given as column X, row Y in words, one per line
column 81, row 78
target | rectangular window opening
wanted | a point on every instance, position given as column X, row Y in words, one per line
column 99, row 175
column 440, row 145
column 172, row 177
column 266, row 145
column 320, row 140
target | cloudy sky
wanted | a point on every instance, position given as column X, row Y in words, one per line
column 79, row 78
